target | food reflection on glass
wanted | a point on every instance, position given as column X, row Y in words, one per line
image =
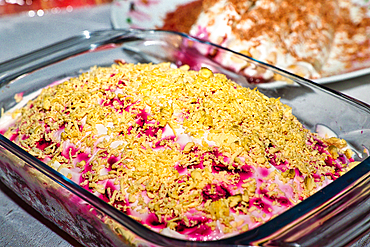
column 313, row 39
column 190, row 154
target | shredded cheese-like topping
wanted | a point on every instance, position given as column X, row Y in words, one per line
column 178, row 148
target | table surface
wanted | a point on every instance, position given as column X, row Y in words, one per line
column 20, row 225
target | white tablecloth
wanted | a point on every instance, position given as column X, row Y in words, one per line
column 20, row 225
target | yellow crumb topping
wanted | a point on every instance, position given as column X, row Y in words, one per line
column 119, row 118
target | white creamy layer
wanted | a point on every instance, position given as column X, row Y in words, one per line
column 218, row 23
column 305, row 40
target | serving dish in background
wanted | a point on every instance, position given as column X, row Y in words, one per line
column 334, row 216
column 151, row 14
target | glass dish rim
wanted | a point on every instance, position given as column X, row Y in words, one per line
column 356, row 175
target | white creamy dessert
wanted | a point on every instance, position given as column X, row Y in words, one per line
column 189, row 154
column 310, row 38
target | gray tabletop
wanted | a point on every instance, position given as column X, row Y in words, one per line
column 20, row 225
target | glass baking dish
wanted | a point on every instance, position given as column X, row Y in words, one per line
column 334, row 216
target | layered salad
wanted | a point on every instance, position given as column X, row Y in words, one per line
column 189, row 154
column 310, row 38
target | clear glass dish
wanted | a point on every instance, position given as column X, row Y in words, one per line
column 334, row 216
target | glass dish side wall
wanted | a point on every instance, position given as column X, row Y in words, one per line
column 311, row 103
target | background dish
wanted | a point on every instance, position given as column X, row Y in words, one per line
column 150, row 14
